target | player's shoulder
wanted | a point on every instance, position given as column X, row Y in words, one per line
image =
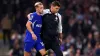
column 46, row 11
column 32, row 15
column 58, row 14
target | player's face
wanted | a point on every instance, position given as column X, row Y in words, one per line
column 55, row 9
column 40, row 9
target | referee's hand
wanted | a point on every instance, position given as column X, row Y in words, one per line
column 34, row 37
column 60, row 41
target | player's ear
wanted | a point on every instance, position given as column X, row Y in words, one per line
column 28, row 16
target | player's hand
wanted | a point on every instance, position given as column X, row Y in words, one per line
column 34, row 37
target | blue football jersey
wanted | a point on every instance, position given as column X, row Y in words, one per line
column 36, row 21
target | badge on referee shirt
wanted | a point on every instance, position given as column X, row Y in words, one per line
column 56, row 19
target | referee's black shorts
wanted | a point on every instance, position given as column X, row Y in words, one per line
column 51, row 42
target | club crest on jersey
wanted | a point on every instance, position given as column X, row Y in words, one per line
column 31, row 17
column 56, row 19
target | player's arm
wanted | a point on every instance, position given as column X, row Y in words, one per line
column 29, row 28
column 60, row 27
column 29, row 23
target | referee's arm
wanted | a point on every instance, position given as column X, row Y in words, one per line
column 60, row 27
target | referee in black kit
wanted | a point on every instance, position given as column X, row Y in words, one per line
column 51, row 31
column 51, row 28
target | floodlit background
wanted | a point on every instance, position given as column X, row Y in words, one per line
column 80, row 20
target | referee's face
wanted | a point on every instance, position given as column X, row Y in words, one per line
column 55, row 9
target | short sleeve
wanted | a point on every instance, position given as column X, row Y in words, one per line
column 60, row 24
column 31, row 19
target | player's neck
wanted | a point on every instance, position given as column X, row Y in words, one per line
column 38, row 13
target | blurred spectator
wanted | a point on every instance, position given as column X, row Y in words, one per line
column 68, row 42
column 51, row 53
column 17, row 51
column 96, row 36
column 15, row 36
column 16, row 44
column 70, row 51
column 6, row 27
column 78, row 44
column 72, row 27
column 86, row 25
column 91, row 40
column 94, row 27
column 79, row 15
column 88, row 51
column 97, row 49
column 17, row 22
column 94, row 7
column 78, row 52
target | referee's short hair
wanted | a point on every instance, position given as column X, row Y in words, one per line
column 56, row 3
column 37, row 4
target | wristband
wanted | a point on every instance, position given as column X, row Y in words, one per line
column 32, row 32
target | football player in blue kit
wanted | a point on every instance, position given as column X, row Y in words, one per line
column 51, row 32
column 32, row 38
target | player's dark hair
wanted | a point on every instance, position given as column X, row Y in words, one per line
column 56, row 3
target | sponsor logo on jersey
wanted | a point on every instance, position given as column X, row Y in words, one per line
column 38, row 25
column 42, row 43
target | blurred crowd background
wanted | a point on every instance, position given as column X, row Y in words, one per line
column 80, row 20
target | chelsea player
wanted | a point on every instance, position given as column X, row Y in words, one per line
column 51, row 28
column 32, row 38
